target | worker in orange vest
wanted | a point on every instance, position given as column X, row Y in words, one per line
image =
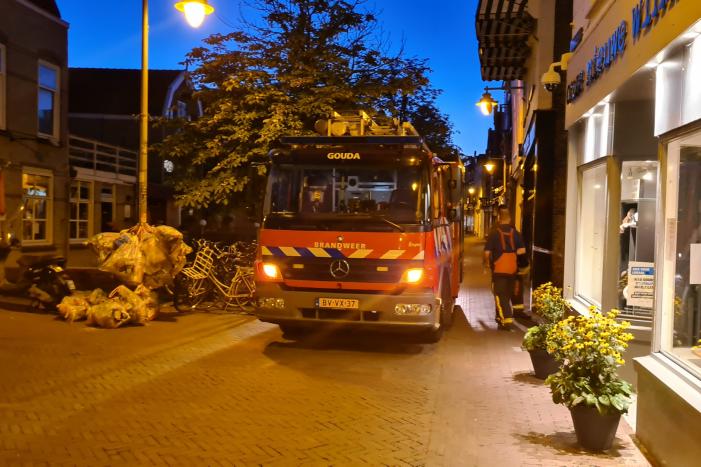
column 504, row 254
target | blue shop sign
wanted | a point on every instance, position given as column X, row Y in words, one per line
column 645, row 15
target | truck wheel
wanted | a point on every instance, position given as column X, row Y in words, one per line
column 445, row 318
column 290, row 331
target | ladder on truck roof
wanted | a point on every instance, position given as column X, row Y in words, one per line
column 358, row 127
column 360, row 123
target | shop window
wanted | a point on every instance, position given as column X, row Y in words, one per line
column 3, row 79
column 636, row 230
column 597, row 133
column 37, row 202
column 591, row 234
column 81, row 210
column 48, row 93
column 682, row 263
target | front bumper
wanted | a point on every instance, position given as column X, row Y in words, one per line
column 376, row 310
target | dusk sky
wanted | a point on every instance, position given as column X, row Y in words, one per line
column 108, row 35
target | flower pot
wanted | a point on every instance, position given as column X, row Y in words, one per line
column 595, row 432
column 544, row 364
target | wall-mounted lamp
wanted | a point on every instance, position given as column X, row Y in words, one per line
column 489, row 167
column 487, row 102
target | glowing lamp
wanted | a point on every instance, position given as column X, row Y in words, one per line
column 489, row 167
column 413, row 275
column 271, row 271
column 195, row 11
column 487, row 104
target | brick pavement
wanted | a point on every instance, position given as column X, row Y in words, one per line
column 227, row 390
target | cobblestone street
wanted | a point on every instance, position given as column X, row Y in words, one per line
column 221, row 389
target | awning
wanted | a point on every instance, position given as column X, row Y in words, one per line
column 503, row 28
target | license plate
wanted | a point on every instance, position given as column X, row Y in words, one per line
column 71, row 285
column 338, row 303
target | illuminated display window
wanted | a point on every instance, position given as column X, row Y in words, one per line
column 681, row 264
column 37, row 203
column 3, row 79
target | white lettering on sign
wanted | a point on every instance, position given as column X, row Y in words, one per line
column 348, row 246
column 343, row 155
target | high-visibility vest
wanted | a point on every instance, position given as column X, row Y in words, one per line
column 507, row 263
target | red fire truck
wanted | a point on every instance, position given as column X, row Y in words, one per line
column 362, row 227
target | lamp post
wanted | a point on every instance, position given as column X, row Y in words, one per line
column 195, row 12
column 489, row 166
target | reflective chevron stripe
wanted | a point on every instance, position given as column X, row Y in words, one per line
column 392, row 254
column 334, row 253
column 360, row 254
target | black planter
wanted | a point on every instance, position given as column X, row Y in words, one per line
column 544, row 364
column 595, row 432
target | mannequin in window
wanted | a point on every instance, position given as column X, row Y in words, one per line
column 630, row 220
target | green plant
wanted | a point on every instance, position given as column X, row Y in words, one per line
column 590, row 350
column 550, row 307
column 534, row 338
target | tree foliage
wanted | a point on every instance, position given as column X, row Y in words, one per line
column 299, row 61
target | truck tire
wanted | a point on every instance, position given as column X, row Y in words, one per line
column 292, row 332
column 446, row 315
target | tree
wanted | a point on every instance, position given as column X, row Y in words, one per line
column 300, row 61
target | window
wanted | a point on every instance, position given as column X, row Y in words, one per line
column 591, row 234
column 37, row 204
column 81, row 210
column 48, row 99
column 3, row 79
column 636, row 228
column 681, row 262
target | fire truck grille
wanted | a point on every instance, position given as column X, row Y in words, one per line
column 358, row 270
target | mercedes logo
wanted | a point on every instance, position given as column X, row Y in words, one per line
column 339, row 268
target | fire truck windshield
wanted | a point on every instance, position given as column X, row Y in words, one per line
column 390, row 195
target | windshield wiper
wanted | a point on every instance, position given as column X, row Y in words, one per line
column 387, row 221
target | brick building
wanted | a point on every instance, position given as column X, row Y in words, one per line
column 33, row 125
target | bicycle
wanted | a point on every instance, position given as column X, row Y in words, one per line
column 196, row 283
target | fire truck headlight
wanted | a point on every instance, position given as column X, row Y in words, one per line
column 413, row 275
column 420, row 309
column 271, row 271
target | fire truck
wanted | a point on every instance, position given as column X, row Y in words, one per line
column 362, row 227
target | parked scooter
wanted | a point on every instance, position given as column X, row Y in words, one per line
column 41, row 277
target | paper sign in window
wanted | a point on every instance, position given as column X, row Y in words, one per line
column 695, row 263
column 641, row 284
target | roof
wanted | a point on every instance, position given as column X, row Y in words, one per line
column 117, row 91
column 47, row 5
column 503, row 28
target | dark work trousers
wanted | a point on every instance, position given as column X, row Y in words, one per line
column 517, row 296
column 503, row 289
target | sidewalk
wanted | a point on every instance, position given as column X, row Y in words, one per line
column 492, row 411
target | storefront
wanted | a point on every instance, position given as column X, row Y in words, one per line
column 634, row 202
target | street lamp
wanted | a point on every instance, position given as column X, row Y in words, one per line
column 471, row 190
column 487, row 103
column 195, row 12
column 489, row 167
